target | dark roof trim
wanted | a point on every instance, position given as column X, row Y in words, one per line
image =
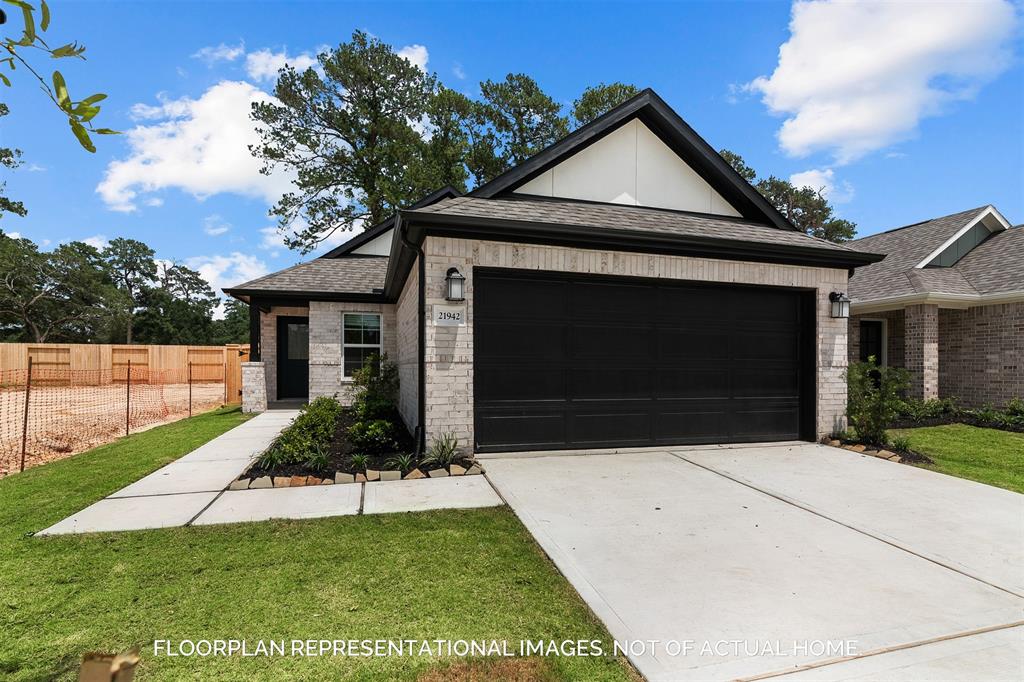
column 447, row 192
column 272, row 297
column 673, row 131
column 419, row 225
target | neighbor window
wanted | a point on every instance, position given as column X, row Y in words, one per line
column 360, row 339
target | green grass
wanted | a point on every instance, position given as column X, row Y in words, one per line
column 984, row 455
column 473, row 574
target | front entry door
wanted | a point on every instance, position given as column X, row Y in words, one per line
column 292, row 357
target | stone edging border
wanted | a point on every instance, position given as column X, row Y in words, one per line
column 341, row 478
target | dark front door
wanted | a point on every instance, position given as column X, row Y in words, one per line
column 566, row 361
column 292, row 357
column 871, row 340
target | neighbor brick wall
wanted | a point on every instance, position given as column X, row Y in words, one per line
column 981, row 354
column 921, row 350
column 407, row 324
column 268, row 343
column 325, row 348
column 449, row 351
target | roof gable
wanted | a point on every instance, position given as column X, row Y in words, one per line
column 708, row 182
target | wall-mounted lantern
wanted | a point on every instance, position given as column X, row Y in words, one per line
column 840, row 304
column 456, row 285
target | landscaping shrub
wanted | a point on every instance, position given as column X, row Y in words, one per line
column 934, row 408
column 443, row 450
column 901, row 444
column 359, row 461
column 874, row 398
column 374, row 437
column 375, row 387
column 307, row 437
column 914, row 412
column 402, row 462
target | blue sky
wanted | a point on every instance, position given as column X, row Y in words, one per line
column 906, row 111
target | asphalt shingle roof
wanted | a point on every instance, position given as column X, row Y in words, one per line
column 997, row 264
column 345, row 275
column 905, row 247
column 621, row 217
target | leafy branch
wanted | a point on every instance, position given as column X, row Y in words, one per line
column 80, row 113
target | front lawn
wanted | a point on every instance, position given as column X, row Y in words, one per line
column 984, row 455
column 472, row 574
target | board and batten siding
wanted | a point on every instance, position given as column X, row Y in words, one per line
column 449, row 350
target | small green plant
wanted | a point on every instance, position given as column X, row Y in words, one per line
column 312, row 430
column 402, row 462
column 901, row 444
column 359, row 461
column 375, row 386
column 1015, row 408
column 873, row 400
column 318, row 458
column 443, row 450
column 375, row 437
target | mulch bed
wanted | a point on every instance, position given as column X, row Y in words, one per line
column 340, row 458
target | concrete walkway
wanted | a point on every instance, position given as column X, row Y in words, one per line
column 192, row 490
column 783, row 547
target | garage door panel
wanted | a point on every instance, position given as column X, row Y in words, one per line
column 636, row 362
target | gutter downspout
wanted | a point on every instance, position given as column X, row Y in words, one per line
column 421, row 400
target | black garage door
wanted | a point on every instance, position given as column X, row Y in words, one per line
column 564, row 361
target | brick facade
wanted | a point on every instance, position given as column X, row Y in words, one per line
column 407, row 331
column 449, row 350
column 894, row 335
column 325, row 348
column 921, row 349
column 268, row 344
column 254, row 387
column 981, row 354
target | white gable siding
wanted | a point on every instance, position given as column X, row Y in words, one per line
column 630, row 166
column 378, row 246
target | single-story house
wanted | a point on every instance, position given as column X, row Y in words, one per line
column 946, row 303
column 623, row 287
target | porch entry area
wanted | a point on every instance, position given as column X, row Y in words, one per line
column 292, row 357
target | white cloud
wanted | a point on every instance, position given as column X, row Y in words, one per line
column 154, row 201
column 220, row 53
column 98, row 241
column 263, row 65
column 417, row 54
column 14, row 235
column 459, row 71
column 35, row 168
column 855, row 77
column 214, row 225
column 824, row 179
column 198, row 146
column 227, row 271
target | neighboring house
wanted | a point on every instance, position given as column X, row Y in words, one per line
column 624, row 287
column 947, row 303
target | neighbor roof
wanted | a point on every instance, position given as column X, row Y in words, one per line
column 324, row 278
column 996, row 265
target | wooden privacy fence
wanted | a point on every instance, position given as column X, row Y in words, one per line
column 59, row 399
column 207, row 364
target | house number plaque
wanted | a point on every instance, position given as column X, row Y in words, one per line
column 449, row 315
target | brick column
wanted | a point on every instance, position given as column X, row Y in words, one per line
column 921, row 350
column 254, row 387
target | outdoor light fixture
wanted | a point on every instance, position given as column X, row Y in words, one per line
column 456, row 285
column 840, row 304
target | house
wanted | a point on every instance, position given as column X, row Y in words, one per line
column 623, row 287
column 947, row 303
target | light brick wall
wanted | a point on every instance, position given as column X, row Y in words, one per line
column 268, row 343
column 325, row 348
column 981, row 354
column 921, row 350
column 254, row 387
column 449, row 351
column 407, row 323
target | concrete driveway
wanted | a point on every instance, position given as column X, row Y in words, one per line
column 798, row 560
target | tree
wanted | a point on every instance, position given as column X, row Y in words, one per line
column 234, row 326
column 60, row 296
column 131, row 266
column 517, row 120
column 9, row 159
column 806, row 207
column 177, row 311
column 349, row 136
column 599, row 99
column 80, row 113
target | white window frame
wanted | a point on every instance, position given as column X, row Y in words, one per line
column 884, row 360
column 378, row 346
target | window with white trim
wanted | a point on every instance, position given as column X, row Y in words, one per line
column 361, row 338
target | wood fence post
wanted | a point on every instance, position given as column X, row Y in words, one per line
column 24, row 419
column 190, row 388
